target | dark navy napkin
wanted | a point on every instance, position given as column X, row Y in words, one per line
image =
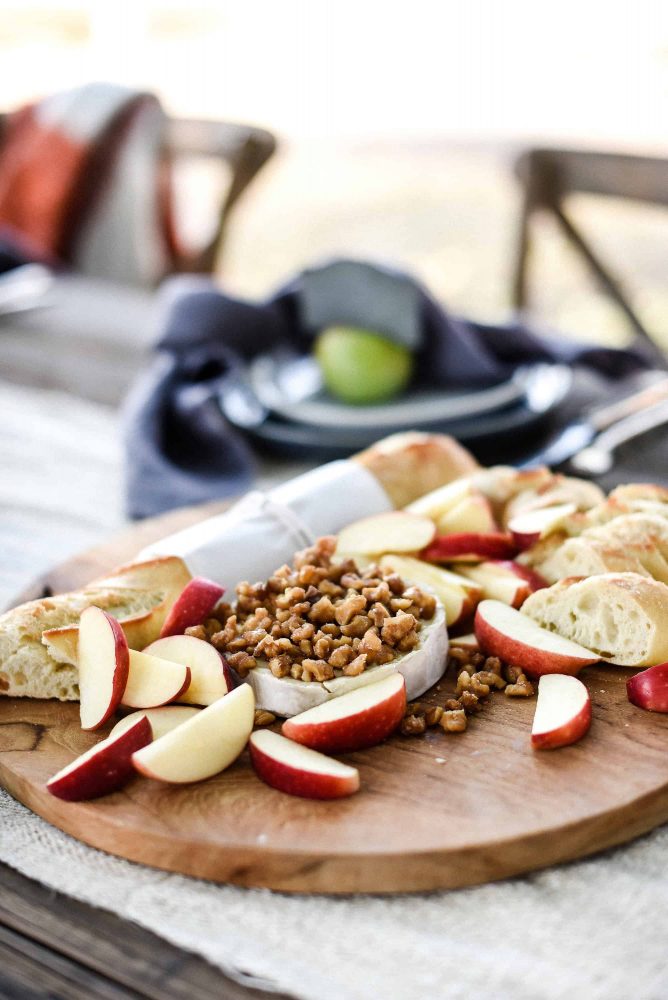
column 179, row 447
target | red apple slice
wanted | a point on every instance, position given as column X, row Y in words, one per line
column 649, row 688
column 104, row 768
column 513, row 637
column 204, row 745
column 353, row 721
column 470, row 547
column 457, row 594
column 162, row 719
column 104, row 663
column 153, row 681
column 530, row 526
column 504, row 580
column 193, row 605
column 473, row 514
column 395, row 531
column 210, row 676
column 298, row 770
column 563, row 712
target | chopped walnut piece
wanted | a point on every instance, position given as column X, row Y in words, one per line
column 512, row 673
column 341, row 656
column 349, row 608
column 322, row 647
column 433, row 715
column 197, row 632
column 316, row 670
column 323, row 611
column 280, row 665
column 263, row 718
column 395, row 583
column 454, row 721
column 378, row 613
column 357, row 627
column 379, row 593
column 305, row 631
column 413, row 725
column 242, row 663
column 523, row 688
column 394, row 629
column 452, row 705
column 478, row 687
column 463, row 682
column 491, row 680
column 409, row 641
column 371, row 644
column 469, row 702
column 493, row 665
column 355, row 666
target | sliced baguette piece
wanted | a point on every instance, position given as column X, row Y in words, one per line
column 38, row 640
column 641, row 528
column 621, row 616
column 590, row 557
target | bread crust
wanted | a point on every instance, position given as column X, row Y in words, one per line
column 410, row 464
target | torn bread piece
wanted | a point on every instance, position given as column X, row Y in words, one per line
column 620, row 616
column 38, row 640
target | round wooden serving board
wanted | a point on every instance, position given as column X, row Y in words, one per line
column 439, row 811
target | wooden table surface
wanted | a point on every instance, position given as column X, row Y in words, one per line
column 52, row 946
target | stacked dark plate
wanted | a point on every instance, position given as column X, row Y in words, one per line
column 279, row 398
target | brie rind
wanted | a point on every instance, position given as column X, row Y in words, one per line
column 421, row 668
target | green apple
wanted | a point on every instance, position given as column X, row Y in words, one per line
column 359, row 366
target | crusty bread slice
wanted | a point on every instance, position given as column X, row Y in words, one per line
column 38, row 640
column 630, row 492
column 648, row 531
column 621, row 616
column 589, row 556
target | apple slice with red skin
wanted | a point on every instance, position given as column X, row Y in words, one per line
column 529, row 527
column 104, row 663
column 394, row 531
column 470, row 547
column 203, row 745
column 649, row 688
column 104, row 768
column 563, row 712
column 439, row 501
column 211, row 677
column 504, row 580
column 193, row 606
column 153, row 681
column 298, row 770
column 515, row 638
column 353, row 721
column 162, row 719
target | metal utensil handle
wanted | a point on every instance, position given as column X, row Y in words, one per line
column 622, row 408
column 632, row 426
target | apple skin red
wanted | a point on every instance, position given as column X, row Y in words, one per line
column 305, row 784
column 649, row 688
column 107, row 770
column 120, row 671
column 466, row 546
column 193, row 605
column 534, row 662
column 564, row 736
column 535, row 580
column 355, row 732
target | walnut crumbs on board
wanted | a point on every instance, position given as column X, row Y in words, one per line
column 478, row 677
column 319, row 619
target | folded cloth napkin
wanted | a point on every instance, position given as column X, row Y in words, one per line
column 84, row 183
column 180, row 449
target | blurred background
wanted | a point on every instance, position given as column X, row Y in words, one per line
column 397, row 127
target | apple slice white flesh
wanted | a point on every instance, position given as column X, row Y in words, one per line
column 563, row 712
column 152, row 681
column 467, row 641
column 395, row 531
column 458, row 595
column 529, row 527
column 504, row 580
column 649, row 688
column 104, row 768
column 513, row 637
column 204, row 745
column 472, row 514
column 104, row 663
column 193, row 605
column 298, row 770
column 354, row 721
column 162, row 719
column 210, row 676
column 442, row 499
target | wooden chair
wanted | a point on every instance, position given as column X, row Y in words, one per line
column 549, row 176
column 244, row 149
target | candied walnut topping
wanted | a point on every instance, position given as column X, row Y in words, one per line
column 478, row 676
column 319, row 619
column 263, row 718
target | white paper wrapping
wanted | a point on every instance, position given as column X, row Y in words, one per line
column 263, row 531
